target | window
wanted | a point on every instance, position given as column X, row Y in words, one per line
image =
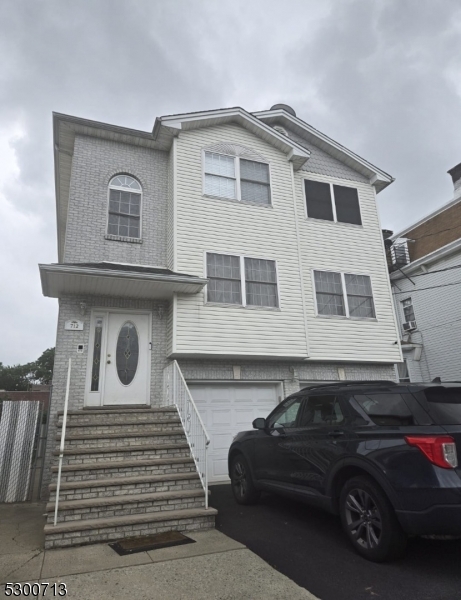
column 404, row 375
column 344, row 295
column 386, row 409
column 260, row 282
column 321, row 411
column 241, row 280
column 223, row 272
column 331, row 202
column 124, row 207
column 286, row 414
column 237, row 178
column 408, row 312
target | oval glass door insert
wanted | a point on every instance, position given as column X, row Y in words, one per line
column 127, row 353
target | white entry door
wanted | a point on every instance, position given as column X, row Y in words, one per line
column 227, row 409
column 119, row 369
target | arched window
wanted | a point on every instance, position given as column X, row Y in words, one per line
column 124, row 207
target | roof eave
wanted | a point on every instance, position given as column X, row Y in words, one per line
column 378, row 178
column 173, row 124
column 50, row 274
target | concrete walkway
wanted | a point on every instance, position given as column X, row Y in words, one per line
column 216, row 567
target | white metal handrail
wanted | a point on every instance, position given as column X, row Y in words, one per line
column 176, row 392
column 63, row 437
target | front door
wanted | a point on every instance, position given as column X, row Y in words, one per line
column 120, row 359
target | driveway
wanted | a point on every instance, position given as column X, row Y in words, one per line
column 308, row 546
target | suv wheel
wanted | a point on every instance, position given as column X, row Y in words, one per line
column 370, row 522
column 242, row 484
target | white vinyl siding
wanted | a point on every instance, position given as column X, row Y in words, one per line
column 234, row 228
column 342, row 248
column 238, row 229
column 438, row 312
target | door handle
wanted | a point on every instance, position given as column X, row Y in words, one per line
column 336, row 433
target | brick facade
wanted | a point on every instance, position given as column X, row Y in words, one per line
column 94, row 164
column 435, row 233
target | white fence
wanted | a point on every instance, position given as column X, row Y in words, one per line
column 176, row 393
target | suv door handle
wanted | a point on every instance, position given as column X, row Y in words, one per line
column 336, row 433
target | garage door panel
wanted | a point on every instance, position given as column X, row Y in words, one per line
column 218, row 470
column 226, row 410
column 221, row 418
column 243, row 417
column 221, row 442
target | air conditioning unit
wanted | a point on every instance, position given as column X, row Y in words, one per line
column 409, row 326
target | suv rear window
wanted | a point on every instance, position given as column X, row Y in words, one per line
column 443, row 404
column 386, row 409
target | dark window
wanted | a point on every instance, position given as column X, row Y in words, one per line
column 318, row 199
column 286, row 414
column 347, row 205
column 321, row 411
column 443, row 404
column 386, row 409
column 95, row 371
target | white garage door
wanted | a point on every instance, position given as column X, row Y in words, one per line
column 227, row 409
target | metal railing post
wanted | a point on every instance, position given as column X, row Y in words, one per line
column 63, row 436
column 206, row 475
column 191, row 421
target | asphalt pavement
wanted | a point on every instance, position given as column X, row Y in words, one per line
column 308, row 546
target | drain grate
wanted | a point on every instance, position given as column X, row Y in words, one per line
column 142, row 543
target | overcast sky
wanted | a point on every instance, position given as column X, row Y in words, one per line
column 382, row 77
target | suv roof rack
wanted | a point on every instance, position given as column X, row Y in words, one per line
column 351, row 383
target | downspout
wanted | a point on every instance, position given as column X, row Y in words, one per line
column 300, row 265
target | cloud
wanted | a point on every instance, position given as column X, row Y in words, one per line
column 380, row 77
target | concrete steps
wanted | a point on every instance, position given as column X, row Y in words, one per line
column 116, row 506
column 95, row 470
column 117, row 486
column 115, row 439
column 74, row 533
column 125, row 472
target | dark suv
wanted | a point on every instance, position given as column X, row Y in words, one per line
column 383, row 456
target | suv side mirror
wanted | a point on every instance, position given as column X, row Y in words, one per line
column 259, row 423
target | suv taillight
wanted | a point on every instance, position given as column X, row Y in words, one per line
column 440, row 450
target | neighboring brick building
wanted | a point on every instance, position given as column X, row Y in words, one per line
column 427, row 290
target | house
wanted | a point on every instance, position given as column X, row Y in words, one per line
column 425, row 263
column 238, row 253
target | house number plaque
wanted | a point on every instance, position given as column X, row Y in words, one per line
column 74, row 325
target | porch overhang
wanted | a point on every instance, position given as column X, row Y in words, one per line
column 117, row 280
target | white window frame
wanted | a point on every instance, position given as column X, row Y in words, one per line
column 345, row 300
column 114, row 236
column 238, row 190
column 412, row 308
column 333, row 203
column 242, row 282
